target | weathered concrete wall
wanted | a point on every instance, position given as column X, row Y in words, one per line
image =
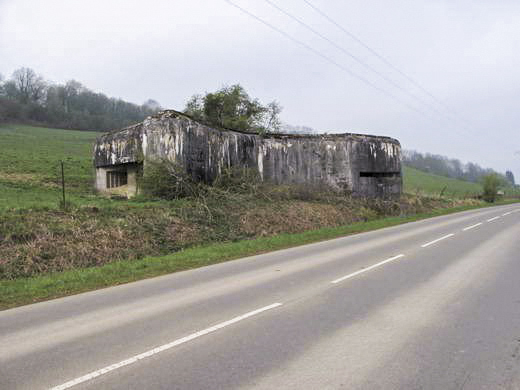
column 360, row 164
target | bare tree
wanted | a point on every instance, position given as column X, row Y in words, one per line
column 72, row 89
column 30, row 87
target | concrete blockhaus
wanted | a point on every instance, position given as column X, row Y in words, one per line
column 362, row 165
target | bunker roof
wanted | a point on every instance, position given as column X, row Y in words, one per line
column 177, row 114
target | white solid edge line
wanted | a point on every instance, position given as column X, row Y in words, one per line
column 493, row 219
column 472, row 227
column 437, row 240
column 367, row 269
column 151, row 352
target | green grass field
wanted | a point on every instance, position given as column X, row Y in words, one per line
column 29, row 166
column 416, row 181
column 429, row 184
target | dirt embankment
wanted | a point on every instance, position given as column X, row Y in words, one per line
column 38, row 241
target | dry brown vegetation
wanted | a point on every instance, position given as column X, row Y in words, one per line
column 40, row 241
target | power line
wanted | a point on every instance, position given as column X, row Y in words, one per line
column 382, row 58
column 325, row 57
column 355, row 58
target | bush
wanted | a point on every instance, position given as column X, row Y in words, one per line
column 239, row 180
column 491, row 183
column 168, row 180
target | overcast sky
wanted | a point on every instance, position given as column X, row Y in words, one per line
column 466, row 53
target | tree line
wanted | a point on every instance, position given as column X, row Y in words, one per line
column 444, row 166
column 27, row 97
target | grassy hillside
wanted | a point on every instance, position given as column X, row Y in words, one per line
column 416, row 181
column 29, row 165
column 430, row 184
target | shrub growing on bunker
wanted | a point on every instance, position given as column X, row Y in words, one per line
column 232, row 108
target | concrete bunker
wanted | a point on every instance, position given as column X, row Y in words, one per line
column 357, row 164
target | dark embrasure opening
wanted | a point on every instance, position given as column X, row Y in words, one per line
column 379, row 174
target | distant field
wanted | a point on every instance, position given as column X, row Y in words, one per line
column 429, row 184
column 29, row 165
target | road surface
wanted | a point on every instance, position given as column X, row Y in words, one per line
column 433, row 304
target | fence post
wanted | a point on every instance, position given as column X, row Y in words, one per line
column 63, row 183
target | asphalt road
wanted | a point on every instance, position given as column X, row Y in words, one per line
column 433, row 304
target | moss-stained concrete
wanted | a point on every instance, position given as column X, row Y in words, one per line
column 363, row 165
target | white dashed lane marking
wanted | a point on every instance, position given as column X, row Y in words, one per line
column 472, row 227
column 154, row 351
column 367, row 269
column 437, row 240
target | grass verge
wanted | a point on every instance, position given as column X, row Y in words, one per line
column 43, row 287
